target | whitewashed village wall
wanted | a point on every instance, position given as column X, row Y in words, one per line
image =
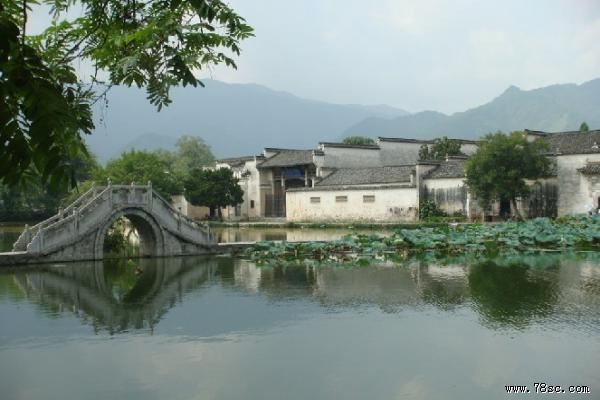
column 448, row 194
column 181, row 204
column 249, row 178
column 542, row 200
column 250, row 182
column 577, row 191
column 362, row 204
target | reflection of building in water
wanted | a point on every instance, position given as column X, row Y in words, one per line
column 384, row 286
column 111, row 296
column 390, row 287
column 244, row 234
column 247, row 275
column 511, row 292
column 580, row 288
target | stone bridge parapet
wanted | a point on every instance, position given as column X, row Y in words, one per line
column 77, row 232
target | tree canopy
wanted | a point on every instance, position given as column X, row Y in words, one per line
column 502, row 163
column 440, row 148
column 192, row 153
column 142, row 167
column 215, row 189
column 584, row 127
column 34, row 199
column 358, row 140
column 45, row 108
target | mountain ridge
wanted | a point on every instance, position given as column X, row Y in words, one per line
column 242, row 119
column 233, row 119
column 555, row 107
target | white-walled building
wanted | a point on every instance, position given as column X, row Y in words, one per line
column 357, row 194
column 244, row 168
column 385, row 181
column 577, row 156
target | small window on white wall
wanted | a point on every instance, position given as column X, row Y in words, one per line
column 368, row 199
column 341, row 199
column 315, row 200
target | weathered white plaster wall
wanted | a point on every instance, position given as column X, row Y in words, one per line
column 542, row 199
column 575, row 190
column 249, row 179
column 180, row 203
column 468, row 148
column 251, row 191
column 392, row 204
column 449, row 194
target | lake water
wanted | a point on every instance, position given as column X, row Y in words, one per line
column 9, row 234
column 248, row 234
column 223, row 328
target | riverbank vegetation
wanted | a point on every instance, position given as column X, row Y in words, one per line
column 541, row 234
column 169, row 171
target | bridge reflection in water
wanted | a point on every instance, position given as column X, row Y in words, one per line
column 119, row 296
column 116, row 295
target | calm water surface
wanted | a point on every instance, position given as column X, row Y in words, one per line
column 249, row 234
column 222, row 328
column 9, row 234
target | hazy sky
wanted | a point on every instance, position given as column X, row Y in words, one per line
column 416, row 54
column 444, row 55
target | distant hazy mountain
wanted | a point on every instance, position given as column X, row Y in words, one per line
column 234, row 119
column 552, row 108
column 151, row 141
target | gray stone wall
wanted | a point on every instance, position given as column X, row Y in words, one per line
column 399, row 153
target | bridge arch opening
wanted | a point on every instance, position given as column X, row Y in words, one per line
column 129, row 232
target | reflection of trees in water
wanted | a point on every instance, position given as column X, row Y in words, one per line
column 513, row 294
column 387, row 286
column 443, row 286
column 286, row 283
column 111, row 295
column 511, row 291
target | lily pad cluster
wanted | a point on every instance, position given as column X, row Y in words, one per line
column 572, row 233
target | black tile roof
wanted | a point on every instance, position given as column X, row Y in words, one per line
column 350, row 146
column 237, row 161
column 424, row 141
column 591, row 168
column 404, row 140
column 368, row 176
column 453, row 168
column 573, row 142
column 288, row 158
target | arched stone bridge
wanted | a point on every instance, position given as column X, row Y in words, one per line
column 78, row 231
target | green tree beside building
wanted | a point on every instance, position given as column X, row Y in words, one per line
column 501, row 165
